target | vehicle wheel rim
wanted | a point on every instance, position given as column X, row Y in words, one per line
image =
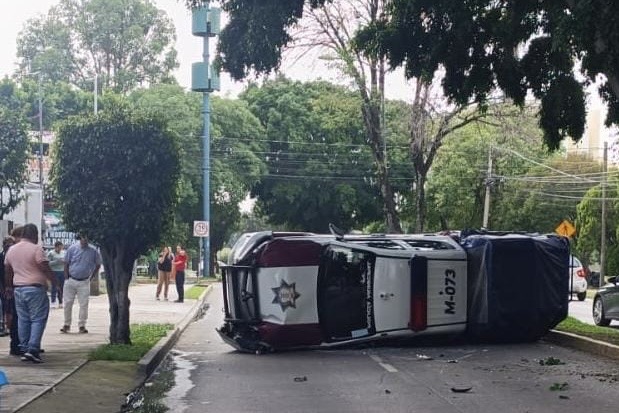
column 597, row 311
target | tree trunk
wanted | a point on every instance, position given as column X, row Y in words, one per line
column 372, row 122
column 117, row 279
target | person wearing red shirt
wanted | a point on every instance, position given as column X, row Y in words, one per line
column 180, row 263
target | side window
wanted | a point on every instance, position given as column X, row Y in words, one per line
column 345, row 279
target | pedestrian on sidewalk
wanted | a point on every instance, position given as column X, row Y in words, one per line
column 164, row 267
column 180, row 263
column 27, row 272
column 8, row 302
column 56, row 262
column 81, row 263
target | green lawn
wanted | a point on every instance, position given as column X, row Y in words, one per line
column 572, row 325
column 143, row 338
column 195, row 291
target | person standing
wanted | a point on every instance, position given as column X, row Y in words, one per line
column 56, row 262
column 81, row 263
column 27, row 271
column 164, row 267
column 10, row 312
column 6, row 302
column 180, row 263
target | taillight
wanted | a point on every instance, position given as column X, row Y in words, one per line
column 581, row 272
column 419, row 294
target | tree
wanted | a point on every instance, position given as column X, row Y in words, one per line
column 14, row 155
column 127, row 43
column 115, row 175
column 458, row 178
column 588, row 224
column 236, row 138
column 521, row 46
column 330, row 29
column 319, row 168
column 547, row 194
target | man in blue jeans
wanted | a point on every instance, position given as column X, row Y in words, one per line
column 27, row 273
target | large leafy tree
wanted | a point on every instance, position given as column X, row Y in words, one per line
column 14, row 155
column 236, row 138
column 548, row 193
column 319, row 168
column 481, row 45
column 127, row 43
column 458, row 178
column 116, row 175
column 519, row 47
column 589, row 226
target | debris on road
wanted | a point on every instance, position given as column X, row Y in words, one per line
column 550, row 361
column 461, row 389
column 559, row 386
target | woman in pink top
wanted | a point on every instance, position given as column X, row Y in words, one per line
column 27, row 272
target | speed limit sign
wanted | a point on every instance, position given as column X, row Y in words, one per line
column 200, row 228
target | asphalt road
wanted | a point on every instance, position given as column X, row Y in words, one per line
column 210, row 376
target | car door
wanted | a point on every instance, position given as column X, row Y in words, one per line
column 344, row 280
column 611, row 300
column 392, row 294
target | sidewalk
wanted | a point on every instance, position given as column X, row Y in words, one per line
column 65, row 353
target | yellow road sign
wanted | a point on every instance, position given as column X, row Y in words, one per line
column 566, row 229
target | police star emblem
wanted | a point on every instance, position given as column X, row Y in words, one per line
column 285, row 295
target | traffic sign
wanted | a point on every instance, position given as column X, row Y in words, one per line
column 566, row 229
column 200, row 228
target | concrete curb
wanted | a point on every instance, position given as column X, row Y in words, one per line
column 581, row 343
column 155, row 355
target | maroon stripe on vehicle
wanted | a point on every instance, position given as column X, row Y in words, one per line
column 419, row 294
column 289, row 253
column 290, row 335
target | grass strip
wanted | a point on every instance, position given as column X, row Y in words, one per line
column 572, row 325
column 143, row 338
column 194, row 292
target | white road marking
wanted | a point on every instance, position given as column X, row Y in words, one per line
column 384, row 365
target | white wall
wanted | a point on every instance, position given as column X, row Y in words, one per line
column 30, row 210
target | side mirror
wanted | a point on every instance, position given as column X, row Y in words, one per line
column 612, row 280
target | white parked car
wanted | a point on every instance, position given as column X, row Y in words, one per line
column 578, row 279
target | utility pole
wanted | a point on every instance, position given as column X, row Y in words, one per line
column 603, row 223
column 41, row 183
column 96, row 91
column 205, row 23
column 488, row 185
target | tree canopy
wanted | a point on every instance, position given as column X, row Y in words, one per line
column 319, row 167
column 14, row 155
column 116, row 176
column 127, row 43
column 479, row 45
column 236, row 138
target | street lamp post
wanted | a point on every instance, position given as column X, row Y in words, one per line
column 205, row 23
column 41, row 182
